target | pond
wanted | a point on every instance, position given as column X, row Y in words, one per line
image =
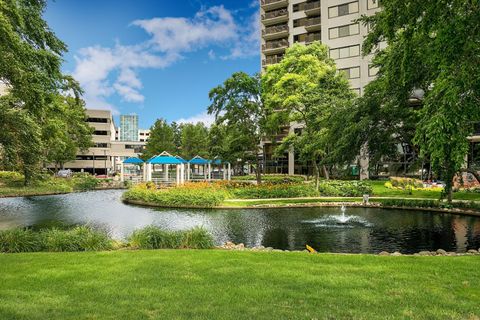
column 362, row 230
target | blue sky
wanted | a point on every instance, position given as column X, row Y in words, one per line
column 155, row 58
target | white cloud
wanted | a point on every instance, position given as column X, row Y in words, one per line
column 207, row 119
column 214, row 25
column 107, row 71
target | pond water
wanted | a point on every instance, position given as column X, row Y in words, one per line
column 365, row 230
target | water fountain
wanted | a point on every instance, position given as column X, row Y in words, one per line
column 340, row 221
column 343, row 218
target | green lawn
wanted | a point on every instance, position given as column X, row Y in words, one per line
column 213, row 284
column 380, row 190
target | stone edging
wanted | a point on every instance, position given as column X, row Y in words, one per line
column 440, row 252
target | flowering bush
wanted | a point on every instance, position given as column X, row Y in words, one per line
column 188, row 195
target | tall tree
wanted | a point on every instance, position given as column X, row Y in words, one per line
column 306, row 88
column 66, row 131
column 432, row 48
column 194, row 140
column 161, row 139
column 30, row 61
column 237, row 104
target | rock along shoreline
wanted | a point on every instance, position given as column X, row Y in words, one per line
column 440, row 252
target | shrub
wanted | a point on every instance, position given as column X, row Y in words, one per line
column 344, row 188
column 410, row 203
column 272, row 178
column 407, row 184
column 152, row 237
column 266, row 190
column 189, row 195
column 84, row 181
column 19, row 240
column 77, row 239
column 197, row 238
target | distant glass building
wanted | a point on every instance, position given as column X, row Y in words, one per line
column 129, row 127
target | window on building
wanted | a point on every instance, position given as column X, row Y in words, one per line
column 351, row 73
column 356, row 90
column 345, row 52
column 300, row 37
column 100, row 133
column 372, row 4
column 343, row 9
column 100, row 145
column 344, row 31
column 299, row 22
column 97, row 120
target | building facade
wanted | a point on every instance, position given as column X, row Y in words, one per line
column 106, row 154
column 128, row 129
column 333, row 22
column 143, row 135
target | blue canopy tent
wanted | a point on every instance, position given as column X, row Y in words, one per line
column 165, row 160
column 130, row 161
column 198, row 162
column 224, row 168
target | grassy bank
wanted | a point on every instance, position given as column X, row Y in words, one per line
column 213, row 284
column 11, row 184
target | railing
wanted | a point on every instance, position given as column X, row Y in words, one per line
column 275, row 29
column 313, row 21
column 311, row 5
column 272, row 59
column 275, row 44
column 313, row 37
column 264, row 2
column 274, row 14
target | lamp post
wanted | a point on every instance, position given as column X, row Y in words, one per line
column 93, row 159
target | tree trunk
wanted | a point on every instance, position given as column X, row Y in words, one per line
column 316, row 172
column 258, row 173
column 325, row 172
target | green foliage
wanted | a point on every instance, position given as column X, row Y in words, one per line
column 84, row 181
column 19, row 240
column 77, row 239
column 272, row 178
column 194, row 140
column 267, row 190
column 432, row 52
column 197, row 238
column 306, row 88
column 30, row 66
column 190, row 195
column 239, row 116
column 152, row 237
column 344, row 188
column 161, row 139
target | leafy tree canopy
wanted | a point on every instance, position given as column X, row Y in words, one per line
column 432, row 51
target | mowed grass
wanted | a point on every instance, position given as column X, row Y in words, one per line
column 214, row 284
column 380, row 190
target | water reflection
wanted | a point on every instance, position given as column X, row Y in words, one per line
column 360, row 230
